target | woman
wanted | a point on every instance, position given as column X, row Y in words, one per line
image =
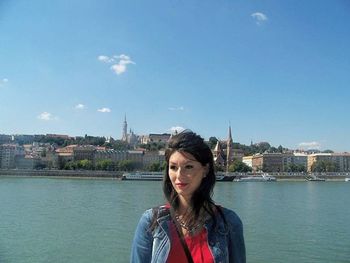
column 190, row 227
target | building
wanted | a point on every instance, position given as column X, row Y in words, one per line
column 125, row 130
column 224, row 154
column 341, row 160
column 218, row 156
column 267, row 162
column 155, row 137
column 152, row 157
column 7, row 156
column 26, row 162
column 110, row 154
column 248, row 160
column 295, row 161
column 131, row 138
column 64, row 155
column 5, row 138
column 84, row 152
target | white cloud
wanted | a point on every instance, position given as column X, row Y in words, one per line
column 104, row 110
column 105, row 59
column 118, row 68
column 176, row 129
column 80, row 106
column 259, row 18
column 46, row 116
column 3, row 81
column 181, row 108
column 122, row 56
column 120, row 62
column 309, row 145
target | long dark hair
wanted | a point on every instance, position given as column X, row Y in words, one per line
column 189, row 142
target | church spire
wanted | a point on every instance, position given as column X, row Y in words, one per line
column 229, row 135
column 125, row 130
column 229, row 150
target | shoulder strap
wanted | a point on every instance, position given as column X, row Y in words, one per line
column 159, row 212
column 182, row 240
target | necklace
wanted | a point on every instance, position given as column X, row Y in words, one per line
column 189, row 227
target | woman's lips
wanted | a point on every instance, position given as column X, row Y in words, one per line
column 181, row 185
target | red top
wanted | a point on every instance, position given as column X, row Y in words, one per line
column 197, row 245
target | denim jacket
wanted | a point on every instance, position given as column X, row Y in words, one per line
column 225, row 240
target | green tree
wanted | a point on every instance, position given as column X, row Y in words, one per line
column 127, row 165
column 71, row 165
column 212, row 142
column 325, row 166
column 154, row 167
column 295, row 168
column 239, row 166
column 105, row 165
column 218, row 168
column 280, row 149
column 85, row 165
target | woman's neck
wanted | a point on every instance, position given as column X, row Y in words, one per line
column 184, row 205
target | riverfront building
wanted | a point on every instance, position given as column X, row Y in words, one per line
column 155, row 137
column 298, row 160
column 341, row 160
column 7, row 156
column 248, row 160
column 276, row 162
column 267, row 162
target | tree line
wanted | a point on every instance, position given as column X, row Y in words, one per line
column 109, row 165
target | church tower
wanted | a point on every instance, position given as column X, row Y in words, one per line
column 125, row 130
column 229, row 149
column 217, row 154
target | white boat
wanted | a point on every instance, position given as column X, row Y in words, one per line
column 143, row 176
column 158, row 176
column 257, row 178
column 314, row 178
column 347, row 180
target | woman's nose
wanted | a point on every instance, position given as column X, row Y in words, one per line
column 179, row 172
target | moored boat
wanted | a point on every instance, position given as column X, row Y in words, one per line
column 143, row 176
column 314, row 178
column 257, row 178
column 224, row 177
column 347, row 179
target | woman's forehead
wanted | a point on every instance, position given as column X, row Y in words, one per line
column 187, row 156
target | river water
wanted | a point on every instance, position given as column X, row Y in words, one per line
column 93, row 220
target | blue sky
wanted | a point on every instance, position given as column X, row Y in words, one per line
column 277, row 71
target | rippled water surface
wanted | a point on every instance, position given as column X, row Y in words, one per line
column 87, row 220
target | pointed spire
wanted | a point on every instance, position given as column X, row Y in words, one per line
column 229, row 152
column 229, row 139
column 125, row 129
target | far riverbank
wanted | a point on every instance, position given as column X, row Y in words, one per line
column 118, row 174
column 62, row 173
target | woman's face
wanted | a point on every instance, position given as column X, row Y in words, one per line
column 185, row 173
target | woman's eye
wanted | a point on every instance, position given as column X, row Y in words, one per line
column 189, row 166
column 172, row 167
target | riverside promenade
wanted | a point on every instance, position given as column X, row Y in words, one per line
column 118, row 174
column 62, row 173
